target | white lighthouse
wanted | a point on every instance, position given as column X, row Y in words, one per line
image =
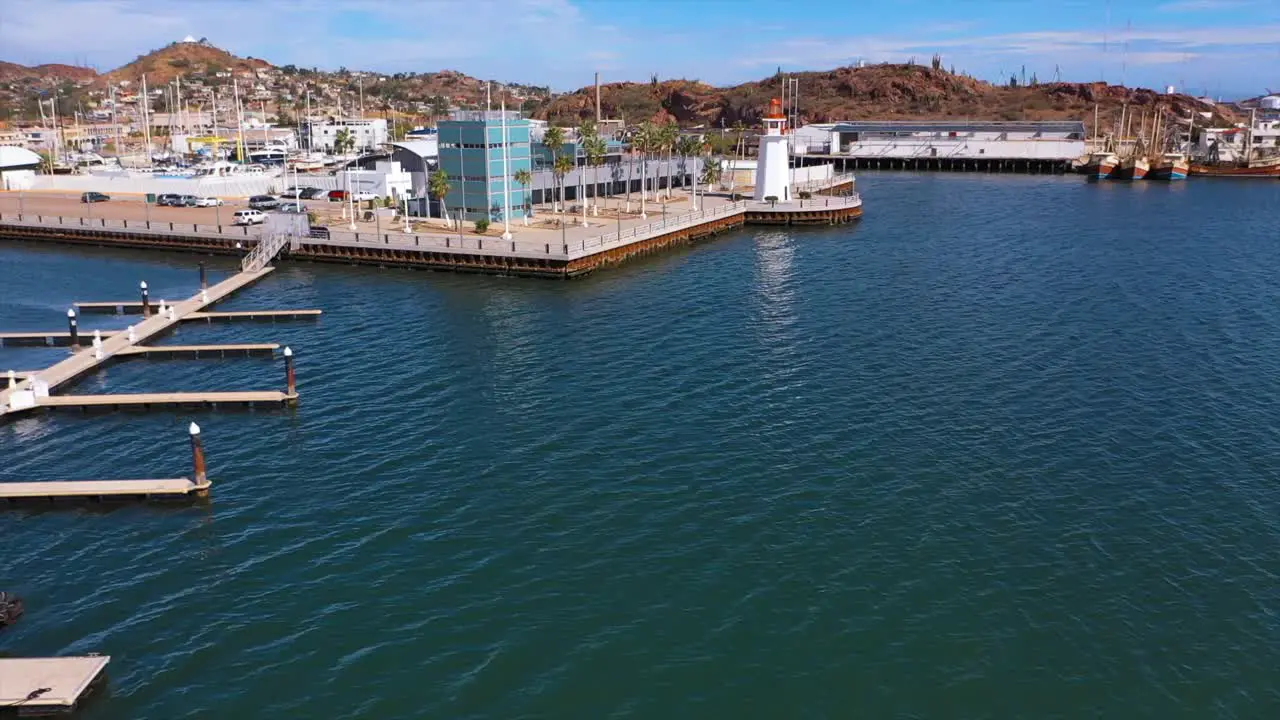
column 773, row 171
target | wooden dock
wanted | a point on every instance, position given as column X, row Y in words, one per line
column 253, row 315
column 15, row 493
column 123, row 307
column 175, row 399
column 247, row 350
column 52, row 338
column 49, row 686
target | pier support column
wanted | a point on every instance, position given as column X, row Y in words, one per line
column 197, row 457
column 204, row 279
column 146, row 300
column 73, row 326
column 13, row 379
column 290, row 379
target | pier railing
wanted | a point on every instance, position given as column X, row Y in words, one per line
column 154, row 227
column 659, row 227
column 264, row 251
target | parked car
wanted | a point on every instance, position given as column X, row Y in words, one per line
column 296, row 208
column 187, row 201
column 292, row 193
column 313, row 193
column 208, row 202
column 171, row 199
column 263, row 202
column 362, row 195
column 337, row 195
column 93, row 197
column 248, row 217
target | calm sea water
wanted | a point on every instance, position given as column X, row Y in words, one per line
column 1006, row 448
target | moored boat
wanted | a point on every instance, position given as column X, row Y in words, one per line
column 1101, row 165
column 1256, row 169
column 1170, row 166
column 1134, row 168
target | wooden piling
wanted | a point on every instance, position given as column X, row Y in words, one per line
column 146, row 300
column 291, row 384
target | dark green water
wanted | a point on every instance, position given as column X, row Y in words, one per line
column 1005, row 449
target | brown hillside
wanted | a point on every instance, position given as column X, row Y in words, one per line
column 50, row 73
column 874, row 92
column 183, row 58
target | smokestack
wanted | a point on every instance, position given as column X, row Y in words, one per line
column 598, row 118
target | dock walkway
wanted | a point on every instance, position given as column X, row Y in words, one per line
column 32, row 391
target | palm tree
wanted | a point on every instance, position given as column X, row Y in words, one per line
column 524, row 177
column 438, row 186
column 343, row 141
column 687, row 147
column 644, row 142
column 595, row 148
column 553, row 138
column 669, row 136
column 711, row 171
column 562, row 167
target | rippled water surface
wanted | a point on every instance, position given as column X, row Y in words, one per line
column 1006, row 448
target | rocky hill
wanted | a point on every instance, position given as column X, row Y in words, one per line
column 873, row 92
column 51, row 73
column 182, row 58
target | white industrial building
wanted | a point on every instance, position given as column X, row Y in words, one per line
column 17, row 168
column 947, row 144
column 369, row 135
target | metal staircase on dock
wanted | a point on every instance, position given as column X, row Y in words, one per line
column 264, row 252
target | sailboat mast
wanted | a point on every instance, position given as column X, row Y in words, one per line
column 146, row 119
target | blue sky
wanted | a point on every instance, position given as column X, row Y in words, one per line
column 1216, row 47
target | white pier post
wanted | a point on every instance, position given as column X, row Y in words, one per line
column 13, row 379
column 133, row 337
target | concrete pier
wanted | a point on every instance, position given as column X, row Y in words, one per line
column 188, row 400
column 164, row 351
column 53, row 338
column 578, row 246
column 254, row 315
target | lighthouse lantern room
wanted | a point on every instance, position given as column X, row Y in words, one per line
column 773, row 167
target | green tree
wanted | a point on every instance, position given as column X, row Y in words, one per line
column 562, row 166
column 343, row 142
column 595, row 148
column 688, row 146
column 668, row 137
column 439, row 186
column 644, row 141
column 553, row 138
column 524, row 177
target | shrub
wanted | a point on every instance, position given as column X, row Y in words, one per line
column 482, row 225
column 805, row 194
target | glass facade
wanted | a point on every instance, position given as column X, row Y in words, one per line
column 471, row 154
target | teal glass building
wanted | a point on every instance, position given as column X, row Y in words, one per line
column 471, row 154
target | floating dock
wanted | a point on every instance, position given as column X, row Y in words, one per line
column 53, row 339
column 49, row 686
column 15, row 493
column 188, row 400
column 247, row 350
column 253, row 315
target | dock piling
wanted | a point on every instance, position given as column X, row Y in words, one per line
column 72, row 326
column 290, row 379
column 146, row 300
column 197, row 457
column 13, row 379
column 163, row 310
column 97, row 344
column 204, row 279
column 133, row 337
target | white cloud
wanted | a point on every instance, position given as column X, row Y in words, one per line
column 526, row 37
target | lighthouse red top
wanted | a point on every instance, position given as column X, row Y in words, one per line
column 775, row 110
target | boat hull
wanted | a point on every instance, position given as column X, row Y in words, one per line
column 1272, row 171
column 1130, row 170
column 1168, row 172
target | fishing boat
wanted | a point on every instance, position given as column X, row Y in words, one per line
column 1100, row 166
column 1170, row 166
column 1243, row 152
column 1132, row 168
